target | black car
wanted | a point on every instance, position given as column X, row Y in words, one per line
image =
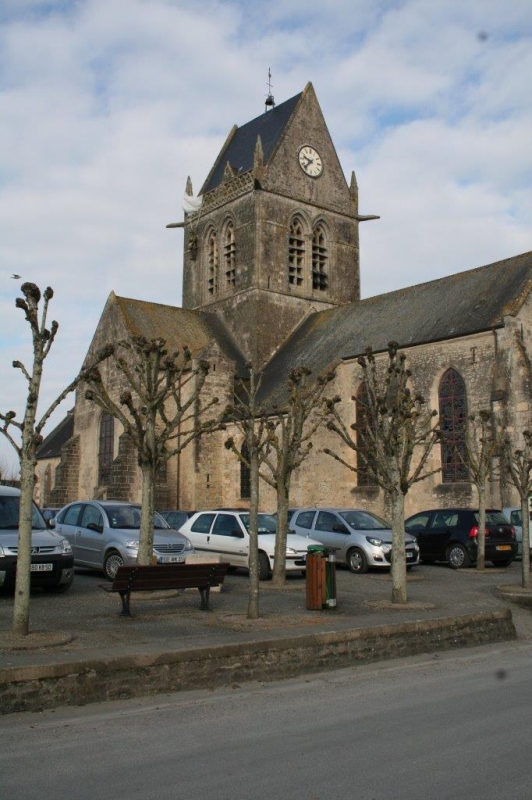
column 451, row 534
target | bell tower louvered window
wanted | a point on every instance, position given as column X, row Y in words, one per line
column 212, row 264
column 453, row 420
column 296, row 254
column 320, row 258
column 229, row 255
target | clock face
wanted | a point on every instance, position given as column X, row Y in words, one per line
column 310, row 161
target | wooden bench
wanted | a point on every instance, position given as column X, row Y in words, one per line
column 166, row 576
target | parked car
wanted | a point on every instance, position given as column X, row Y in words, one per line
column 49, row 514
column 362, row 539
column 104, row 535
column 226, row 533
column 52, row 562
column 451, row 534
column 176, row 518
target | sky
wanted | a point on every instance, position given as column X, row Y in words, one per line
column 106, row 106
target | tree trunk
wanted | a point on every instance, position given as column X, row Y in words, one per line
column 525, row 521
column 481, row 540
column 399, row 588
column 21, row 610
column 145, row 554
column 253, row 601
column 279, row 564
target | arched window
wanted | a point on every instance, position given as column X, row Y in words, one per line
column 453, row 420
column 320, row 257
column 212, row 263
column 365, row 455
column 245, row 474
column 296, row 253
column 229, row 255
column 106, row 447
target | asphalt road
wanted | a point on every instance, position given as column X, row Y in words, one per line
column 445, row 727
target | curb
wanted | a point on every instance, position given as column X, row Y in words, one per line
column 39, row 687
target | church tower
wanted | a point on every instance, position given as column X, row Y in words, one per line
column 275, row 237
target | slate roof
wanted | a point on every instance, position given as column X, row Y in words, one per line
column 240, row 148
column 179, row 327
column 458, row 305
column 51, row 447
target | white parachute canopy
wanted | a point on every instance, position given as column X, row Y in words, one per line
column 191, row 203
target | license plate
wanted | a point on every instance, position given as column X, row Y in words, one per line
column 42, row 567
column 171, row 559
column 503, row 547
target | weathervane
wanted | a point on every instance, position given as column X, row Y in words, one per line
column 270, row 102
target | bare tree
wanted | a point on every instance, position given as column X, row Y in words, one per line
column 251, row 421
column 290, row 442
column 393, row 438
column 8, row 472
column 519, row 466
column 482, row 442
column 30, row 432
column 159, row 411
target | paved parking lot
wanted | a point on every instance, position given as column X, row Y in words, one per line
column 91, row 616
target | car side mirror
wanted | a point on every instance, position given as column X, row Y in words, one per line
column 92, row 526
column 237, row 533
column 340, row 529
column 51, row 523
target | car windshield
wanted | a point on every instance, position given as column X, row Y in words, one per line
column 364, row 521
column 9, row 514
column 128, row 517
column 267, row 523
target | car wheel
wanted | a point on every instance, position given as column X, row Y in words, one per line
column 113, row 560
column 504, row 563
column 357, row 561
column 458, row 557
column 264, row 567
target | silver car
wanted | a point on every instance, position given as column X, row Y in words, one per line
column 362, row 540
column 104, row 535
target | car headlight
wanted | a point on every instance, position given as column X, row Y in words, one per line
column 1, row 551
column 188, row 544
column 133, row 544
column 66, row 547
column 291, row 551
column 374, row 541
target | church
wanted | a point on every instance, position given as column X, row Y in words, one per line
column 271, row 276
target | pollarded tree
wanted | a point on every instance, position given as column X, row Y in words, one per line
column 251, row 420
column 482, row 443
column 291, row 432
column 519, row 465
column 160, row 410
column 30, row 432
column 394, row 433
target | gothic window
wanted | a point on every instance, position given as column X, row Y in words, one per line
column 212, row 264
column 229, row 255
column 453, row 420
column 245, row 474
column 106, row 447
column 296, row 253
column 319, row 260
column 365, row 475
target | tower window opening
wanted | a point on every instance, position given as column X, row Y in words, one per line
column 296, row 254
column 229, row 256
column 212, row 264
column 320, row 258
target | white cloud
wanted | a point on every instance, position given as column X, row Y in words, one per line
column 108, row 105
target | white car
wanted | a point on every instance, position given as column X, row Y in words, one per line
column 226, row 533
